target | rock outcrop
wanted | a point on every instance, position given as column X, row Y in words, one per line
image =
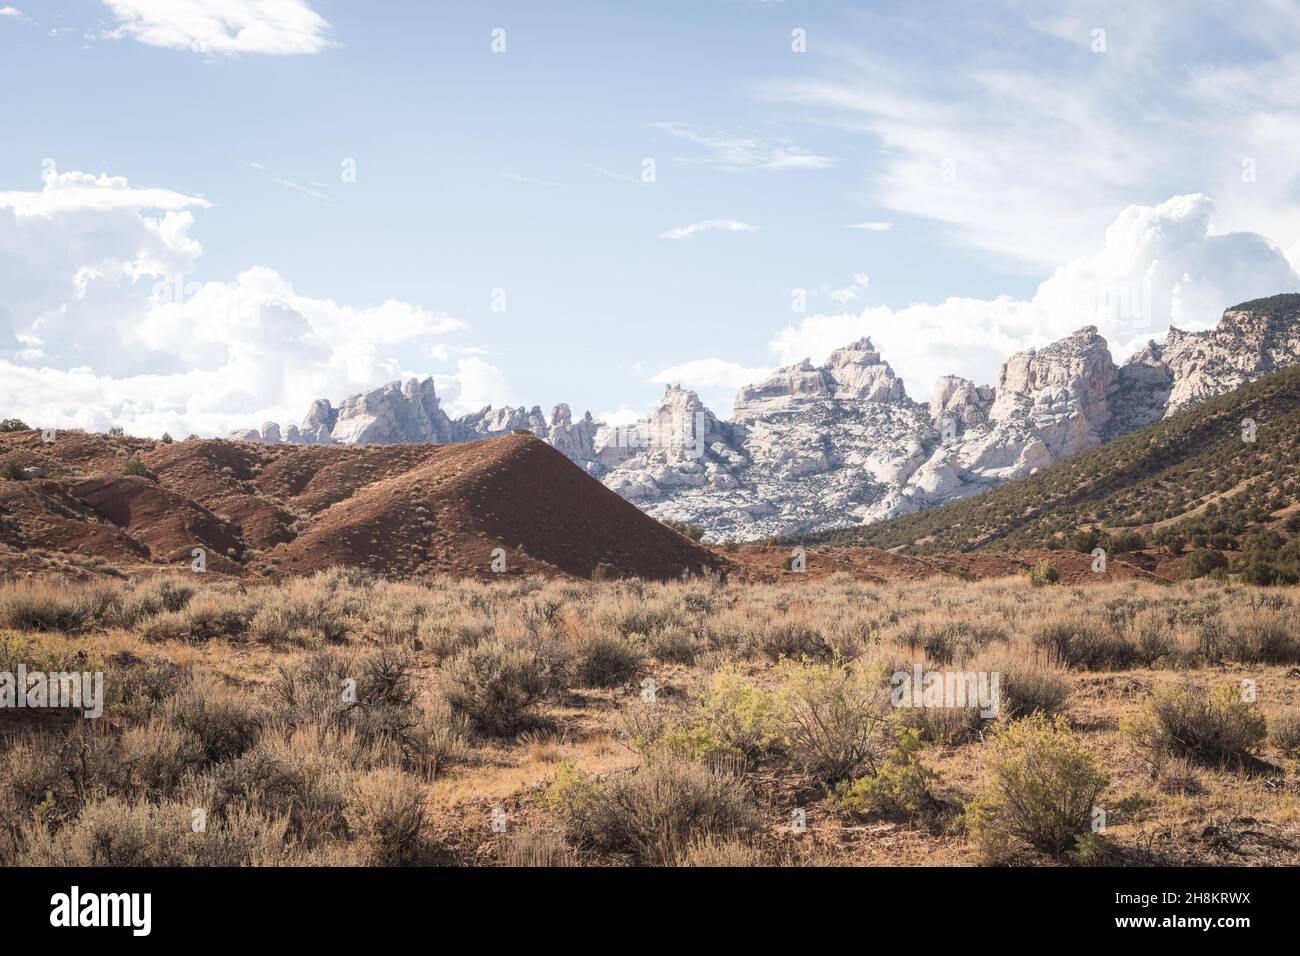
column 1253, row 339
column 392, row 414
column 813, row 447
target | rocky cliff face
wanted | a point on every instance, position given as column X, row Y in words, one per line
column 394, row 413
column 813, row 447
column 1253, row 339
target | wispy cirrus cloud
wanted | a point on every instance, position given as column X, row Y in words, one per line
column 733, row 153
column 871, row 226
column 708, row 225
column 223, row 27
column 311, row 192
column 851, row 291
column 1024, row 149
column 533, row 180
column 613, row 174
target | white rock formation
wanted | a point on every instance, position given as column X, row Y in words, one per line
column 814, row 447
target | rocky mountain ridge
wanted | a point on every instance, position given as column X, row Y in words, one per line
column 816, row 447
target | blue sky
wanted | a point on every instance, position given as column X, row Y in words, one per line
column 990, row 144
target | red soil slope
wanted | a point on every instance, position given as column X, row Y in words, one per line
column 404, row 510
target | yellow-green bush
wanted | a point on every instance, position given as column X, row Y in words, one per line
column 900, row 785
column 1042, row 789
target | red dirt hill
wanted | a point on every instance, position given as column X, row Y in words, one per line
column 404, row 510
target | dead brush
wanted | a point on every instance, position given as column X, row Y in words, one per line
column 1076, row 641
column 65, row 607
column 1188, row 720
column 654, row 813
column 536, row 847
column 386, row 813
column 601, row 658
column 543, row 746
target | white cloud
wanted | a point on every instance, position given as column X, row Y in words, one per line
column 223, row 27
column 708, row 373
column 475, row 384
column 309, row 194
column 12, row 12
column 621, row 416
column 725, row 225
column 850, row 292
column 1159, row 266
column 1027, row 141
column 733, row 153
column 83, row 192
column 872, row 226
column 101, row 324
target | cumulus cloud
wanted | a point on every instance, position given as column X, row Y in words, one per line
column 725, row 225
column 474, row 385
column 101, row 325
column 1159, row 266
column 708, row 373
column 223, row 27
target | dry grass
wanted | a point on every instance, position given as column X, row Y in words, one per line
column 349, row 720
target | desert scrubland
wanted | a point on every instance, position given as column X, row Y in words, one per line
column 347, row 719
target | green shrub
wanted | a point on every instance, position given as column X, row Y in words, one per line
column 692, row 531
column 134, row 466
column 900, row 785
column 833, row 719
column 1043, row 573
column 735, row 718
column 1085, row 541
column 1042, row 790
column 1203, row 562
column 1126, row 541
column 13, row 425
column 11, row 469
